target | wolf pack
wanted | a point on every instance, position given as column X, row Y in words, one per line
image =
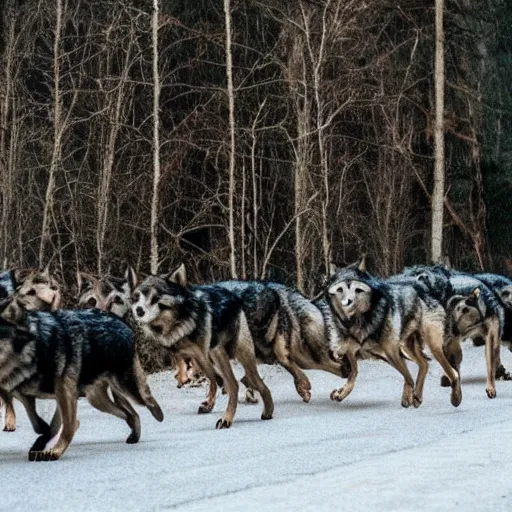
column 115, row 331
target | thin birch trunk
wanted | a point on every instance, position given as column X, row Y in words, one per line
column 156, row 142
column 231, row 100
column 438, row 193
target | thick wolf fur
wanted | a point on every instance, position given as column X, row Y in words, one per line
column 32, row 290
column 288, row 329
column 473, row 312
column 113, row 294
column 387, row 321
column 206, row 323
column 67, row 354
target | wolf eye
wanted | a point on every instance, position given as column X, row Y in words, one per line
column 465, row 310
column 157, row 329
column 118, row 300
column 154, row 300
column 31, row 292
column 164, row 307
column 359, row 290
column 506, row 293
column 91, row 302
column 54, row 288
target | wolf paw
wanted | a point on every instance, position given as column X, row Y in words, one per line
column 43, row 456
column 456, row 396
column 205, row 408
column 491, row 392
column 223, row 423
column 407, row 398
column 133, row 438
column 266, row 416
column 250, row 397
column 337, row 395
column 445, row 382
column 416, row 400
column 9, row 428
column 502, row 373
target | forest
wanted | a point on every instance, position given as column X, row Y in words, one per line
column 263, row 140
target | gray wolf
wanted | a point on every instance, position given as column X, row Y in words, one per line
column 387, row 321
column 288, row 329
column 67, row 354
column 39, row 291
column 205, row 323
column 472, row 312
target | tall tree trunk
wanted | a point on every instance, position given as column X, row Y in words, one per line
column 438, row 193
column 231, row 100
column 156, row 142
column 57, row 136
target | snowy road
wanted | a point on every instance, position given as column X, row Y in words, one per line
column 364, row 454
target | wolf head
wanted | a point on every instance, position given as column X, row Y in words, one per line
column 465, row 312
column 164, row 305
column 435, row 279
column 109, row 293
column 505, row 294
column 350, row 290
column 39, row 291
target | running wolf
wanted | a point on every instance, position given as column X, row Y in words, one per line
column 67, row 354
column 472, row 312
column 40, row 291
column 207, row 324
column 387, row 321
column 501, row 286
column 289, row 329
column 113, row 294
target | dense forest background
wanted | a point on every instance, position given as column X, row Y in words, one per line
column 334, row 109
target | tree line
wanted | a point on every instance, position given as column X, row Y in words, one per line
column 251, row 138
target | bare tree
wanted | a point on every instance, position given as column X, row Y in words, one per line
column 438, row 193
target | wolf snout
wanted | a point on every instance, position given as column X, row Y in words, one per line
column 139, row 311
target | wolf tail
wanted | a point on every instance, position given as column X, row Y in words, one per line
column 137, row 385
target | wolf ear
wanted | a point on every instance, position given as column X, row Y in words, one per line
column 332, row 269
column 476, row 293
column 20, row 275
column 84, row 281
column 131, row 278
column 361, row 266
column 57, row 298
column 179, row 276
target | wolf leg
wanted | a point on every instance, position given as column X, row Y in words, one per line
column 135, row 384
column 181, row 375
column 196, row 353
column 245, row 354
column 501, row 371
column 492, row 347
column 38, row 424
column 67, row 397
column 343, row 392
column 414, row 351
column 282, row 353
column 394, row 358
column 97, row 396
column 250, row 397
column 221, row 361
column 10, row 415
column 448, row 356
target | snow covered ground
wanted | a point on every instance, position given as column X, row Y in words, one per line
column 367, row 453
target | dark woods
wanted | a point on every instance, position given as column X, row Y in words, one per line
column 333, row 135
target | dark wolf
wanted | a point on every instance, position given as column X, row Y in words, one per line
column 472, row 312
column 113, row 294
column 38, row 291
column 288, row 329
column 501, row 286
column 67, row 354
column 387, row 321
column 205, row 323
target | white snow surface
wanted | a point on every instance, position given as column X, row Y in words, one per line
column 367, row 453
